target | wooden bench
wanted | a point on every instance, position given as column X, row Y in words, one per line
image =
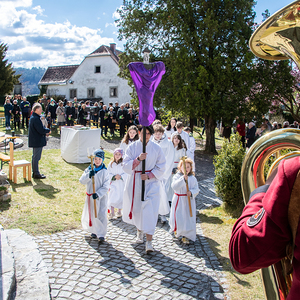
column 4, row 159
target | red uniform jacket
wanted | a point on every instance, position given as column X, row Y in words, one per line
column 260, row 236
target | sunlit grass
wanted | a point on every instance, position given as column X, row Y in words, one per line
column 49, row 205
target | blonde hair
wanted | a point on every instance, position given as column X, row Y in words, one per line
column 187, row 161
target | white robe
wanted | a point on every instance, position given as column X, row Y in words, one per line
column 191, row 151
column 169, row 151
column 144, row 213
column 177, row 155
column 124, row 146
column 180, row 212
column 169, row 132
column 116, row 189
column 185, row 136
column 99, row 224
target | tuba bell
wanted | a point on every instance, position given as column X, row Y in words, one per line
column 277, row 38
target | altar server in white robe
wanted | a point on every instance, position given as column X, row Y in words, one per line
column 159, row 137
column 97, row 226
column 143, row 214
column 183, row 134
column 117, row 182
column 180, row 220
column 131, row 136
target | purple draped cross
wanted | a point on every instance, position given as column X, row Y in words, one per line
column 146, row 82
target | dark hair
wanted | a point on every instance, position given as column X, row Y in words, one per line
column 187, row 129
column 179, row 125
column 169, row 124
column 180, row 145
column 126, row 137
column 149, row 128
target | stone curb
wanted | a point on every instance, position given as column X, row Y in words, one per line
column 32, row 281
column 7, row 264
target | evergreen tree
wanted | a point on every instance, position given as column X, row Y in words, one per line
column 7, row 74
column 204, row 45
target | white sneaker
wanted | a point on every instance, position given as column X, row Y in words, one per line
column 139, row 237
column 118, row 214
column 149, row 247
column 110, row 216
column 163, row 219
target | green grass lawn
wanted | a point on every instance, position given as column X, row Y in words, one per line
column 49, row 205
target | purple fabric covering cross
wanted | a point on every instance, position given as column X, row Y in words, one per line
column 146, row 82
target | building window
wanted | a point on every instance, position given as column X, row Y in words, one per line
column 73, row 93
column 113, row 91
column 91, row 93
column 97, row 69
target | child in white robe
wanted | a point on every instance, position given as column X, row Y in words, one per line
column 191, row 151
column 117, row 182
column 96, row 225
column 131, row 136
column 180, row 220
column 171, row 128
column 168, row 149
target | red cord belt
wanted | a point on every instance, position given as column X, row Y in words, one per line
column 179, row 195
column 133, row 189
column 89, row 208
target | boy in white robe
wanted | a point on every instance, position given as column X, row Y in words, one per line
column 183, row 134
column 160, row 138
column 143, row 214
column 97, row 226
column 180, row 220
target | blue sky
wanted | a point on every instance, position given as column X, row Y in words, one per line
column 42, row 33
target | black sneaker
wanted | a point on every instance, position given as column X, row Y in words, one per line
column 93, row 236
column 101, row 239
column 39, row 176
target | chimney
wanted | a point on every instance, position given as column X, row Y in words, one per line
column 112, row 47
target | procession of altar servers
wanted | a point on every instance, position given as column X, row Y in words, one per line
column 164, row 152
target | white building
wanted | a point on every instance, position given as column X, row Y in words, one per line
column 95, row 78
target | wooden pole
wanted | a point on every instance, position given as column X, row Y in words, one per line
column 93, row 182
column 187, row 185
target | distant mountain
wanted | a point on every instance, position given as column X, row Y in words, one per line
column 30, row 79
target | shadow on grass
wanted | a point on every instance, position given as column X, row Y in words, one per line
column 45, row 190
column 26, row 183
column 5, row 205
column 211, row 220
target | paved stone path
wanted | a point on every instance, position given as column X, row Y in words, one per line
column 81, row 268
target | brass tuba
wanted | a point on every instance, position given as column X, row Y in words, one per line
column 277, row 38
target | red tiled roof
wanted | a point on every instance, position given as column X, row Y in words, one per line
column 58, row 74
column 105, row 49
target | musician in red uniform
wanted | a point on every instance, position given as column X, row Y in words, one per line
column 260, row 236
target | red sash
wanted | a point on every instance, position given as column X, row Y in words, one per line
column 179, row 195
column 89, row 208
column 133, row 189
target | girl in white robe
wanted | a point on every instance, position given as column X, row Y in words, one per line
column 131, row 136
column 180, row 220
column 143, row 214
column 168, row 149
column 171, row 128
column 97, row 226
column 117, row 182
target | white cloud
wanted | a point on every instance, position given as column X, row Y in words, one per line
column 115, row 14
column 35, row 43
column 109, row 24
column 39, row 10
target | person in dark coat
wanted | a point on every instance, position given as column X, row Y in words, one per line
column 70, row 114
column 82, row 115
column 52, row 109
column 7, row 112
column 112, row 121
column 103, row 114
column 250, row 136
column 16, row 113
column 122, row 119
column 130, row 118
column 25, row 109
column 37, row 139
